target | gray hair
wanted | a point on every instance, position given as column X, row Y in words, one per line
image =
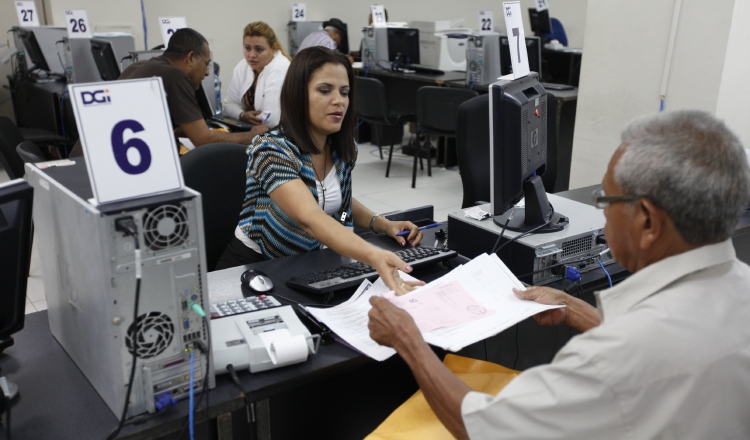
column 692, row 166
column 335, row 29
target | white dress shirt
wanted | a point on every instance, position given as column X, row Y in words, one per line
column 671, row 360
column 267, row 90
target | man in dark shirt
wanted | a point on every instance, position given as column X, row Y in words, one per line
column 182, row 67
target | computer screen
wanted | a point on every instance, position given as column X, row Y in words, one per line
column 540, row 22
column 403, row 45
column 105, row 59
column 33, row 50
column 533, row 50
column 518, row 155
column 16, row 198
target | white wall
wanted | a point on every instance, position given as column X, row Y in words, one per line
column 734, row 91
column 625, row 49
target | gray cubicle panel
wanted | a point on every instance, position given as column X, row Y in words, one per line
column 298, row 30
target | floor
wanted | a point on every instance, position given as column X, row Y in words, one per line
column 371, row 187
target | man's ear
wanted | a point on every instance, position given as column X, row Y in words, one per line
column 652, row 223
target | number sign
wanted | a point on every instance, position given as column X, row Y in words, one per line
column 127, row 138
column 378, row 15
column 541, row 5
column 299, row 11
column 486, row 23
column 78, row 23
column 519, row 59
column 169, row 25
column 27, row 16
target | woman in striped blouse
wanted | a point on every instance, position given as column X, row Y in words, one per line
column 299, row 184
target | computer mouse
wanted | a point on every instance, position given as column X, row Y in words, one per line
column 256, row 281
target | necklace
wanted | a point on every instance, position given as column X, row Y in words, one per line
column 322, row 187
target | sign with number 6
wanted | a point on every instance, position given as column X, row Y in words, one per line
column 127, row 138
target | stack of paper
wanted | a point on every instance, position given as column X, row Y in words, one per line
column 467, row 305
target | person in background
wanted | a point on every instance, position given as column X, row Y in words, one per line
column 257, row 79
column 182, row 67
column 666, row 354
column 299, row 177
column 333, row 36
column 358, row 54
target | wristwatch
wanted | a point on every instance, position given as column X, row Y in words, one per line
column 372, row 223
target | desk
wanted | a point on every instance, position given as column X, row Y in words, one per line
column 337, row 393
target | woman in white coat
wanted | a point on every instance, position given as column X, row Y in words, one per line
column 255, row 90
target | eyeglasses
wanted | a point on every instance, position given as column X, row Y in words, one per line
column 207, row 61
column 602, row 200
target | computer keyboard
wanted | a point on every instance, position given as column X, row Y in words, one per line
column 423, row 69
column 353, row 274
column 551, row 86
column 235, row 307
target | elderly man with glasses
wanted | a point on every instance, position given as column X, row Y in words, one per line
column 666, row 353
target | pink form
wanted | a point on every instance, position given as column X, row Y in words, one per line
column 441, row 306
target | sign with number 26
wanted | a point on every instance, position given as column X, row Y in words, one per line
column 126, row 134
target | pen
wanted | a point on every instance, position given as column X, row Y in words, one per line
column 267, row 116
column 433, row 225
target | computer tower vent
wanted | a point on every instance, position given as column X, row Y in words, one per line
column 153, row 331
column 165, row 227
column 576, row 246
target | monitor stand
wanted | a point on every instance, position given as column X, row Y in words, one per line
column 536, row 212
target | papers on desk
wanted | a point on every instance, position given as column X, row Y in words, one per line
column 467, row 305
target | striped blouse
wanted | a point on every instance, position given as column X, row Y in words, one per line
column 274, row 160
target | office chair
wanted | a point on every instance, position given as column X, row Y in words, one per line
column 29, row 152
column 11, row 136
column 473, row 149
column 437, row 109
column 217, row 171
column 371, row 105
column 558, row 32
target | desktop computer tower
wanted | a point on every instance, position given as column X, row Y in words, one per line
column 482, row 59
column 374, row 46
column 578, row 244
column 90, row 285
column 79, row 59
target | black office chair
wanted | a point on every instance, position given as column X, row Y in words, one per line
column 437, row 109
column 41, row 137
column 473, row 149
column 217, row 171
column 29, row 152
column 371, row 105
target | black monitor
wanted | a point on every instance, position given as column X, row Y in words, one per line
column 105, row 59
column 33, row 50
column 533, row 50
column 518, row 155
column 403, row 45
column 16, row 199
column 540, row 22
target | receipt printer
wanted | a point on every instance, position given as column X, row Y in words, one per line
column 261, row 340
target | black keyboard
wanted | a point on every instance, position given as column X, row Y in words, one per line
column 423, row 69
column 244, row 305
column 551, row 86
column 352, row 274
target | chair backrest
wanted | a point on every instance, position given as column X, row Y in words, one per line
column 10, row 137
column 370, row 103
column 473, row 148
column 29, row 152
column 437, row 108
column 558, row 32
column 217, row 171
